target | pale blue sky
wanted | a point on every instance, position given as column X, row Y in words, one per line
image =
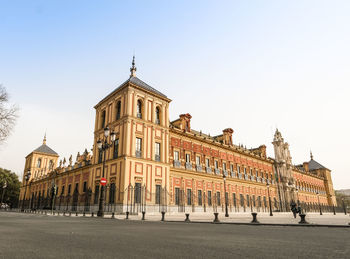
column 249, row 65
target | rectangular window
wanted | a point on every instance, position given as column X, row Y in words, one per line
column 177, row 196
column 224, row 166
column 234, row 199
column 176, row 155
column 189, row 196
column 265, row 204
column 76, row 189
column 138, row 147
column 137, row 193
column 209, row 198
column 85, row 187
column 157, row 151
column 259, row 201
column 97, row 192
column 158, row 187
column 254, row 201
column 188, row 158
column 218, row 200
column 245, row 170
column 231, row 168
column 100, row 156
column 112, row 193
column 116, row 148
column 62, row 191
column 103, row 119
column 199, row 197
column 238, row 169
column 207, row 162
column 216, row 164
column 69, row 188
column 248, row 200
column 198, row 160
column 241, row 197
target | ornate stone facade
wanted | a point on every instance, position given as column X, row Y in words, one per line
column 157, row 163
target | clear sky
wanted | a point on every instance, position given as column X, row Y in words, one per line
column 249, row 65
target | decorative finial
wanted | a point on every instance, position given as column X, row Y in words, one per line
column 133, row 68
column 44, row 140
column 311, row 156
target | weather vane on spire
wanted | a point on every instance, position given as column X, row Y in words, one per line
column 44, row 140
column 311, row 156
column 133, row 68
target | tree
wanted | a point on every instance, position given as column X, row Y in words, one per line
column 8, row 115
column 10, row 194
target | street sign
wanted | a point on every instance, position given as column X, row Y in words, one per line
column 103, row 181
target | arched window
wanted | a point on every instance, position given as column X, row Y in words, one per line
column 157, row 115
column 103, row 119
column 39, row 163
column 118, row 109
column 139, row 109
column 51, row 164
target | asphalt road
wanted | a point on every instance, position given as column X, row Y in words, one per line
column 40, row 236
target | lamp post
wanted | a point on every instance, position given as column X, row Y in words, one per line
column 103, row 146
column 53, row 194
column 3, row 192
column 319, row 204
column 226, row 208
column 268, row 193
column 342, row 199
column 27, row 177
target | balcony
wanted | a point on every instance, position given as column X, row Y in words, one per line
column 239, row 175
column 224, row 172
column 263, row 180
column 246, row 177
column 199, row 168
column 188, row 166
column 138, row 153
column 252, row 178
column 233, row 174
column 177, row 163
column 157, row 158
column 217, row 171
column 268, row 181
column 258, row 179
column 208, row 170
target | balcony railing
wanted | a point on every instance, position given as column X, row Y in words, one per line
column 199, row 168
column 188, row 166
column 224, row 172
column 252, row 178
column 268, row 181
column 217, row 171
column 138, row 153
column 258, row 179
column 208, row 170
column 246, row 177
column 233, row 174
column 239, row 175
column 177, row 163
column 263, row 180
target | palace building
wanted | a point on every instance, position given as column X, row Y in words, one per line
column 154, row 164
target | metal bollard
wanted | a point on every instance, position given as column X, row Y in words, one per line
column 54, row 213
column 334, row 210
column 163, row 214
column 92, row 214
column 143, row 215
column 70, row 214
column 83, row 213
column 112, row 215
column 58, row 213
column 76, row 214
column 64, row 213
column 45, row 212
column 187, row 217
column 127, row 215
column 216, row 219
column 255, row 220
column 302, row 219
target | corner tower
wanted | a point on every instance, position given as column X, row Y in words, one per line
column 139, row 115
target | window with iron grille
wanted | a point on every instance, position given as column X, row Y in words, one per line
column 157, row 151
column 198, row 160
column 199, row 197
column 218, row 199
column 62, row 190
column 137, row 193
column 177, row 196
column 176, row 155
column 97, row 192
column 188, row 158
column 112, row 193
column 189, row 197
column 157, row 115
column 69, row 188
column 234, row 199
column 138, row 147
column 209, row 198
column 241, row 197
column 100, row 153
column 85, row 186
column 248, row 200
column 158, row 188
column 118, row 110
column 103, row 119
column 139, row 109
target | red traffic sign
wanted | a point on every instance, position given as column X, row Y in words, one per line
column 103, row 181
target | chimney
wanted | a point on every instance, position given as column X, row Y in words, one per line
column 227, row 136
column 185, row 120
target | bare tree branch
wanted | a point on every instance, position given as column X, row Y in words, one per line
column 8, row 115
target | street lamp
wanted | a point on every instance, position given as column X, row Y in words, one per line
column 226, row 209
column 103, row 146
column 53, row 194
column 27, row 177
column 319, row 204
column 268, row 193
